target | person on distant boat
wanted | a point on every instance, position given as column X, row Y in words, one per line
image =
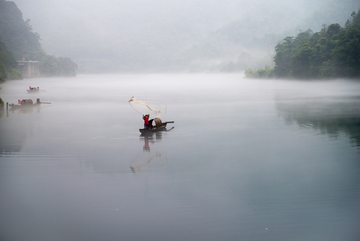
column 146, row 121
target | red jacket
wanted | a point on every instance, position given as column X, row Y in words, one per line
column 146, row 120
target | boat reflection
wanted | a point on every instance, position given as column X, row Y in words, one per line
column 25, row 109
column 13, row 132
column 150, row 155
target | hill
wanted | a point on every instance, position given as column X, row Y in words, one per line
column 249, row 41
column 333, row 52
column 21, row 42
column 177, row 35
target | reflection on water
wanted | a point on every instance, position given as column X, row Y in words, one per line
column 25, row 109
column 15, row 129
column 150, row 153
column 330, row 116
column 230, row 170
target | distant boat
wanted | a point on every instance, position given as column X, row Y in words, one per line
column 27, row 103
column 159, row 126
column 33, row 89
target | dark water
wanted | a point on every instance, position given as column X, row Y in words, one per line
column 246, row 160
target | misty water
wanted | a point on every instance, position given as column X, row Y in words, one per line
column 244, row 160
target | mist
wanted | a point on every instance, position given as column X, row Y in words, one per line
column 244, row 159
column 158, row 36
column 241, row 158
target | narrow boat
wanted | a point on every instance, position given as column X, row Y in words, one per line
column 160, row 126
column 33, row 89
column 25, row 103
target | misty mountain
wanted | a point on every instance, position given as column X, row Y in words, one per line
column 19, row 42
column 249, row 42
column 159, row 35
column 17, row 33
column 333, row 52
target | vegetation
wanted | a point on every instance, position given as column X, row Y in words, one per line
column 1, row 104
column 333, row 52
column 260, row 73
column 8, row 64
column 18, row 41
column 54, row 66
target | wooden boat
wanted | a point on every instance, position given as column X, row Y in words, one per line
column 160, row 126
column 33, row 89
column 25, row 103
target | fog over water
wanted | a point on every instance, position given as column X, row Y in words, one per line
column 244, row 160
column 196, row 35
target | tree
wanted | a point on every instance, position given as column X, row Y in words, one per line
column 283, row 50
column 21, row 43
column 8, row 64
column 333, row 52
column 300, row 61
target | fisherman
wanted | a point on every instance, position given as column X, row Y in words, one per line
column 146, row 121
column 150, row 123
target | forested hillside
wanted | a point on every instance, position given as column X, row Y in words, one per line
column 19, row 41
column 8, row 64
column 177, row 35
column 249, row 41
column 333, row 52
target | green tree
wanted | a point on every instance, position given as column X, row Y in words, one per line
column 22, row 43
column 284, row 51
column 8, row 64
column 333, row 52
column 67, row 67
column 300, row 61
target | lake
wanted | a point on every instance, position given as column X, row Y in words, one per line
column 245, row 159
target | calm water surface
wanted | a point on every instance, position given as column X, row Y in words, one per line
column 246, row 160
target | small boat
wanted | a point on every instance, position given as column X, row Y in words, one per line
column 160, row 126
column 27, row 103
column 33, row 89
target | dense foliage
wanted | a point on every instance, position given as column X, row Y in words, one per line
column 1, row 104
column 8, row 64
column 21, row 42
column 333, row 52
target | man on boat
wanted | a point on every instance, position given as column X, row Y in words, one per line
column 146, row 121
column 150, row 123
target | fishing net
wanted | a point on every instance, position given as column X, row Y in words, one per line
column 154, row 108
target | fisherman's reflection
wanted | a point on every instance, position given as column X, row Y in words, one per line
column 150, row 137
column 146, row 144
column 149, row 156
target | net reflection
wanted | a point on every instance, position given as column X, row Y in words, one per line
column 150, row 155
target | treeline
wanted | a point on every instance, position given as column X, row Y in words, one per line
column 18, row 41
column 333, row 52
column 8, row 64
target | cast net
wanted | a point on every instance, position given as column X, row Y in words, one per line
column 154, row 108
